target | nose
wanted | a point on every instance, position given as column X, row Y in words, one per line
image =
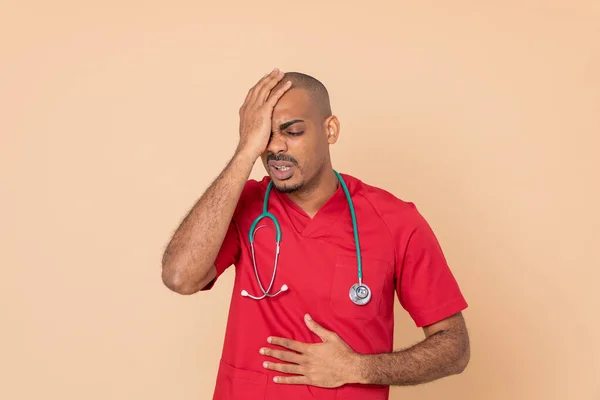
column 277, row 143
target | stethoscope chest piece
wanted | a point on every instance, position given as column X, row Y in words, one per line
column 360, row 294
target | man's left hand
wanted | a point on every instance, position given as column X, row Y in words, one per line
column 329, row 364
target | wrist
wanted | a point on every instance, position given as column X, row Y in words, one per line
column 356, row 369
column 246, row 156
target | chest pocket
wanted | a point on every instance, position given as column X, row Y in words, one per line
column 377, row 275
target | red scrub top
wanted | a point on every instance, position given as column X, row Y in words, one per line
column 401, row 258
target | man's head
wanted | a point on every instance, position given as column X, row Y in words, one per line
column 303, row 127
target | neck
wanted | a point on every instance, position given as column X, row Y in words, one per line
column 312, row 198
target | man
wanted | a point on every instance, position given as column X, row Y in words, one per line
column 308, row 339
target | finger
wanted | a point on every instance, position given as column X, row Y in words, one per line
column 292, row 369
column 292, row 380
column 252, row 92
column 282, row 355
column 245, row 103
column 265, row 87
column 276, row 95
column 288, row 344
column 248, row 96
column 317, row 329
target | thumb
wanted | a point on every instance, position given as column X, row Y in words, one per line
column 317, row 329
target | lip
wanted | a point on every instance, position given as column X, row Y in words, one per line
column 273, row 164
column 279, row 174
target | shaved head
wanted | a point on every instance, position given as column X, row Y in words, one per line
column 316, row 90
column 302, row 129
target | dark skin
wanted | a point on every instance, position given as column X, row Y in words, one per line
column 332, row 363
column 302, row 133
column 276, row 104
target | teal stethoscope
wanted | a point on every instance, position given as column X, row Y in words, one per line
column 360, row 293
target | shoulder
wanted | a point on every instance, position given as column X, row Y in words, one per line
column 255, row 187
column 395, row 211
column 382, row 200
column 252, row 194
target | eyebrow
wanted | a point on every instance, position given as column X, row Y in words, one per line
column 289, row 123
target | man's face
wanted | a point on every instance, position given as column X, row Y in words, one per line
column 298, row 146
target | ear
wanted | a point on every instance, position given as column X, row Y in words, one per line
column 332, row 127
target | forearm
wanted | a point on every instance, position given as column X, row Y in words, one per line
column 190, row 254
column 441, row 354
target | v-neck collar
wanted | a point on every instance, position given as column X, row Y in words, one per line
column 326, row 217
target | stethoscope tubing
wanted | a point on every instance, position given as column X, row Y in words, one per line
column 266, row 214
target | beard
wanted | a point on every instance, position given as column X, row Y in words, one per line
column 287, row 188
column 284, row 186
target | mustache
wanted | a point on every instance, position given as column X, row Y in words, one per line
column 281, row 157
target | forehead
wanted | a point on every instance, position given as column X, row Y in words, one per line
column 295, row 103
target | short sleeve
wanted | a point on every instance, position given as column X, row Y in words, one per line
column 425, row 285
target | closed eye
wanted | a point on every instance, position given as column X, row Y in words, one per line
column 295, row 133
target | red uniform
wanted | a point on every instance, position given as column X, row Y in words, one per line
column 400, row 257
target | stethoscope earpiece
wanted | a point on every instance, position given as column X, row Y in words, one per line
column 265, row 293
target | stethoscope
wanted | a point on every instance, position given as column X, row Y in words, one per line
column 360, row 293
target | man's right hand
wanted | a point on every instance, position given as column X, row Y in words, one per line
column 257, row 111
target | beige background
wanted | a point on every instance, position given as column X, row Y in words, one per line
column 485, row 114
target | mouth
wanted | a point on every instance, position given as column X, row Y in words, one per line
column 281, row 170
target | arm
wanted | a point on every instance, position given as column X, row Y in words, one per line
column 333, row 363
column 444, row 351
column 188, row 260
column 428, row 291
column 187, row 263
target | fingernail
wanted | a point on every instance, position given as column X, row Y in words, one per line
column 262, row 351
column 265, row 364
column 269, row 339
column 275, row 379
column 308, row 318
